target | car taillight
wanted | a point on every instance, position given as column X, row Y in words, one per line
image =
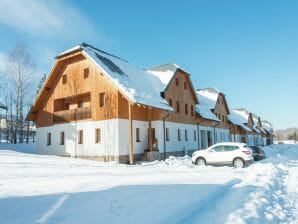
column 247, row 152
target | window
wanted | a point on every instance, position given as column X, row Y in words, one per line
column 66, row 106
column 179, row 135
column 167, row 135
column 138, row 135
column 64, row 79
column 195, row 135
column 186, row 135
column 97, row 135
column 170, row 102
column 80, row 140
column 178, row 106
column 186, row 108
column 80, row 104
column 177, row 82
column 86, row 73
column 185, row 85
column 62, row 138
column 218, row 148
column 228, row 148
column 101, row 99
column 219, row 116
column 191, row 110
column 49, row 136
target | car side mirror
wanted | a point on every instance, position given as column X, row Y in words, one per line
column 211, row 150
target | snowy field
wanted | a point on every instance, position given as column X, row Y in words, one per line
column 50, row 189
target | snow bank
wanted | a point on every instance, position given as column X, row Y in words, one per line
column 282, row 151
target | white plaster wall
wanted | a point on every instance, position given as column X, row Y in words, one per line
column 174, row 145
column 237, row 138
column 222, row 135
column 138, row 147
column 265, row 140
column 250, row 140
column 109, row 144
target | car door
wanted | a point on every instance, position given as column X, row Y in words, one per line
column 229, row 154
column 215, row 155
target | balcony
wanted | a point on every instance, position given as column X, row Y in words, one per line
column 65, row 116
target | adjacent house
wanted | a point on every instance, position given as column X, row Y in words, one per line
column 239, row 130
column 214, row 101
column 97, row 105
column 267, row 126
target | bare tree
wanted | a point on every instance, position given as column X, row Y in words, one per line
column 20, row 71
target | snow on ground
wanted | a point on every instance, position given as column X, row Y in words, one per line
column 50, row 189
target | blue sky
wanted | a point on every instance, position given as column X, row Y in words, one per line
column 247, row 49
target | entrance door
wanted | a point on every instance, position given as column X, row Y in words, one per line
column 209, row 138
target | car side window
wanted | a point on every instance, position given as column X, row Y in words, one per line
column 229, row 148
column 218, row 148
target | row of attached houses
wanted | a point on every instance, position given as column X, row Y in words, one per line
column 97, row 105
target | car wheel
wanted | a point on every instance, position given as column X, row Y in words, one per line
column 201, row 161
column 238, row 163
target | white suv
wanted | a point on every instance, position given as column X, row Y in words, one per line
column 226, row 153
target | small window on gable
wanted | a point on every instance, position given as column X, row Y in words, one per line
column 186, row 108
column 86, row 73
column 191, row 110
column 167, row 135
column 185, row 85
column 97, row 135
column 178, row 106
column 138, row 135
column 66, row 106
column 179, row 135
column 170, row 102
column 49, row 136
column 62, row 135
column 64, row 79
column 177, row 82
column 102, row 100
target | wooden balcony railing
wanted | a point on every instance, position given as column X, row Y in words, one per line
column 72, row 115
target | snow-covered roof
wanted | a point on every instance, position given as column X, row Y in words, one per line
column 208, row 97
column 137, row 85
column 267, row 126
column 238, row 119
column 2, row 106
column 164, row 73
column 206, row 113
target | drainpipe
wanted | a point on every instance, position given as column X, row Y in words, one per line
column 164, row 135
column 198, row 130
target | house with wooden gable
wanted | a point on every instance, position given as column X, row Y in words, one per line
column 240, row 132
column 257, row 128
column 96, row 105
column 180, row 129
column 267, row 126
column 245, row 116
column 214, row 101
